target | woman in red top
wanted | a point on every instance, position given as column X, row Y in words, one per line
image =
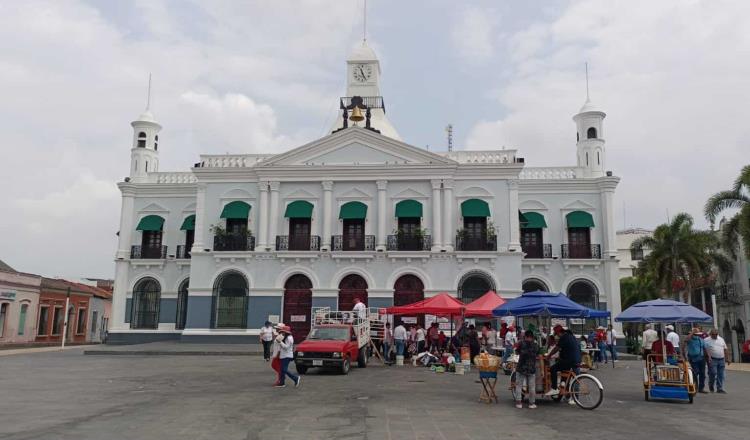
column 656, row 350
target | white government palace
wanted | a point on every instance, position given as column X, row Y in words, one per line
column 211, row 253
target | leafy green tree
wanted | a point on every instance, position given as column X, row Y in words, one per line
column 637, row 289
column 682, row 258
column 738, row 226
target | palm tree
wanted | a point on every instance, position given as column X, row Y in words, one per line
column 681, row 258
column 637, row 289
column 739, row 225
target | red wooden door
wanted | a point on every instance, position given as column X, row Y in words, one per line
column 352, row 286
column 298, row 305
column 408, row 289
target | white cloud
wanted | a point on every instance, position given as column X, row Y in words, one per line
column 473, row 34
column 672, row 77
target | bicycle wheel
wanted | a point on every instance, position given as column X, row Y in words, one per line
column 513, row 378
column 586, row 391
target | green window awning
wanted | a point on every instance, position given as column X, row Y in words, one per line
column 475, row 208
column 408, row 208
column 579, row 219
column 150, row 223
column 236, row 210
column 532, row 220
column 188, row 224
column 353, row 211
column 299, row 209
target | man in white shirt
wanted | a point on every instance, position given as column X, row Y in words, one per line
column 612, row 342
column 360, row 309
column 674, row 338
column 510, row 342
column 649, row 337
column 718, row 355
column 420, row 339
column 399, row 338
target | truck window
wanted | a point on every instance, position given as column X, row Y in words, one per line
column 330, row 333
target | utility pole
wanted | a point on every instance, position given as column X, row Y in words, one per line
column 65, row 319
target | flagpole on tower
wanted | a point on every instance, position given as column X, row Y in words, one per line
column 364, row 25
column 148, row 97
column 587, row 80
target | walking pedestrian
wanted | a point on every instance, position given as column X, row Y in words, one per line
column 433, row 337
column 509, row 342
column 601, row 343
column 695, row 350
column 649, row 337
column 275, row 351
column 473, row 336
column 421, row 339
column 286, row 354
column 399, row 338
column 387, row 342
column 673, row 337
column 718, row 358
column 266, row 338
column 612, row 342
column 526, row 369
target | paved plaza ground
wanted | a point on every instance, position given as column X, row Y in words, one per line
column 66, row 395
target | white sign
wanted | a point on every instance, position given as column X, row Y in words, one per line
column 298, row 318
column 273, row 319
column 409, row 319
column 577, row 321
column 557, row 321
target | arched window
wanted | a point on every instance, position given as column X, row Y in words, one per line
column 230, row 301
column 182, row 303
column 298, row 305
column 578, row 136
column 156, row 142
column 408, row 289
column 591, row 133
column 533, row 285
column 587, row 158
column 22, row 319
column 142, row 140
column 598, row 158
column 584, row 293
column 352, row 286
column 473, row 285
column 145, row 309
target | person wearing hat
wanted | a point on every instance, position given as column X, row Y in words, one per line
column 601, row 344
column 275, row 350
column 673, row 337
column 649, row 337
column 695, row 352
column 286, row 354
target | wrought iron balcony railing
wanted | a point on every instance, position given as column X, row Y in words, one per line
column 183, row 252
column 353, row 243
column 488, row 243
column 585, row 252
column 543, row 251
column 728, row 293
column 297, row 243
column 409, row 243
column 234, row 242
column 148, row 252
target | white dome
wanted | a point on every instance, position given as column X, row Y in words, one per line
column 146, row 116
column 589, row 107
column 362, row 53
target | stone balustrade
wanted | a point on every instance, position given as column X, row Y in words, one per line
column 551, row 173
column 232, row 160
column 172, row 177
column 479, row 157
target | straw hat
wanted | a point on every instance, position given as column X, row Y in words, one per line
column 670, row 327
column 285, row 329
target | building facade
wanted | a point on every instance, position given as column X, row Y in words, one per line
column 211, row 253
column 733, row 305
column 19, row 299
column 53, row 297
column 629, row 259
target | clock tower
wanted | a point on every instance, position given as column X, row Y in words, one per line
column 363, row 80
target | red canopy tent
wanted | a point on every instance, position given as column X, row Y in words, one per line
column 484, row 305
column 442, row 304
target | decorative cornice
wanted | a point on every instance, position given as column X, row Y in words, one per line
column 263, row 185
column 327, row 185
column 436, row 183
column 382, row 185
column 274, row 185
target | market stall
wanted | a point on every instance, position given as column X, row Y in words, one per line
column 665, row 377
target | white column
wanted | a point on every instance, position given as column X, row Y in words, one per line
column 382, row 209
column 263, row 217
column 122, row 262
column 273, row 215
column 449, row 233
column 200, row 218
column 327, row 209
column 514, row 240
column 609, row 243
column 437, row 241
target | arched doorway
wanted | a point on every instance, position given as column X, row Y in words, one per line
column 584, row 293
column 230, row 301
column 182, row 302
column 297, row 305
column 408, row 289
column 70, row 332
column 352, row 286
column 533, row 285
column 473, row 285
column 145, row 309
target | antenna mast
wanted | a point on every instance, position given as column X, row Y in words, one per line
column 148, row 97
column 364, row 26
column 587, row 80
column 449, row 131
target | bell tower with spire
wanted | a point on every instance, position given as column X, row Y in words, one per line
column 590, row 137
column 144, row 154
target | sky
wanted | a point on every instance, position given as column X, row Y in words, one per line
column 265, row 76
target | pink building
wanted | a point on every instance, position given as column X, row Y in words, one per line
column 19, row 302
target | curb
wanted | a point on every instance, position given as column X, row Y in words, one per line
column 167, row 353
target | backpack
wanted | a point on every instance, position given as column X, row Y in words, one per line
column 695, row 348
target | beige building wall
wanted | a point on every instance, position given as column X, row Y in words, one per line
column 19, row 302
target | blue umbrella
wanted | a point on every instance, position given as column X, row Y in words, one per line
column 542, row 304
column 662, row 310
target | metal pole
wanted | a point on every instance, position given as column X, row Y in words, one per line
column 65, row 319
column 714, row 310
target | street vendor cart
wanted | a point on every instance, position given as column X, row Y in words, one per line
column 665, row 377
column 582, row 389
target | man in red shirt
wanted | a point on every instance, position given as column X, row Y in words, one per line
column 746, row 351
column 657, row 350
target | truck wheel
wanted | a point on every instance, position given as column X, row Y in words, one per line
column 345, row 366
column 362, row 358
column 301, row 369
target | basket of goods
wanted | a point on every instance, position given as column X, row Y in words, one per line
column 487, row 363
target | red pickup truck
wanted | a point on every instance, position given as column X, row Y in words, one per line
column 331, row 346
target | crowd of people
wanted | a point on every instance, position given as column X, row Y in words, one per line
column 703, row 352
column 278, row 348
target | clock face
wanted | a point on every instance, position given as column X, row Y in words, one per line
column 362, row 72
